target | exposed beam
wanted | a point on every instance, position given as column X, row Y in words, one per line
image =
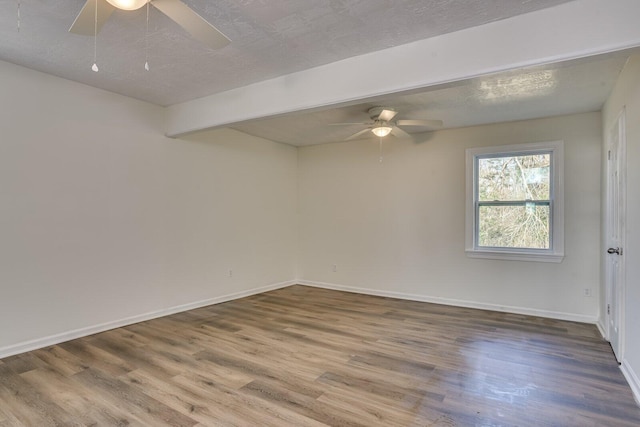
column 572, row 30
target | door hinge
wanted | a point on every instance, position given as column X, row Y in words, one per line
column 608, row 308
column 609, row 155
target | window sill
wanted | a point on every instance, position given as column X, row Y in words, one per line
column 515, row 256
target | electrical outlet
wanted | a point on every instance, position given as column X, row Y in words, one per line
column 587, row 292
column 334, row 268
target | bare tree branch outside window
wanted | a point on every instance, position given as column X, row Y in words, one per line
column 514, row 201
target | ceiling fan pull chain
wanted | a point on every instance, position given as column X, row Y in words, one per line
column 18, row 24
column 380, row 149
column 94, row 67
column 146, row 41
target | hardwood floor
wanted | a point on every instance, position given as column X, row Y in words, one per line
column 302, row 356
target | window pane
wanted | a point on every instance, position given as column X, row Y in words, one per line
column 514, row 226
column 514, row 177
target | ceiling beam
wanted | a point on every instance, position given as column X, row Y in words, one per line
column 569, row 31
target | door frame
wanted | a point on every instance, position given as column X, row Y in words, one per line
column 620, row 123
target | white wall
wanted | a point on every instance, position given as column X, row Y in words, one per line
column 102, row 218
column 397, row 228
column 626, row 94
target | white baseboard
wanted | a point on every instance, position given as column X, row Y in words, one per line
column 632, row 379
column 455, row 302
column 78, row 333
column 25, row 346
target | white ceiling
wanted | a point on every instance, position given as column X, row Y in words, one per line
column 269, row 38
column 274, row 38
column 564, row 88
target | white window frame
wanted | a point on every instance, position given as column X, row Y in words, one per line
column 555, row 253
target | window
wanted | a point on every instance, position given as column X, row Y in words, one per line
column 515, row 202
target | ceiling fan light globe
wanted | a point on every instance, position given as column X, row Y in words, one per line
column 381, row 131
column 128, row 4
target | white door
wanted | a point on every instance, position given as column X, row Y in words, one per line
column 615, row 212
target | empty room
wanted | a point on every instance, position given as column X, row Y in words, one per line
column 319, row 213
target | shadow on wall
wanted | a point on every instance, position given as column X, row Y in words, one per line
column 424, row 137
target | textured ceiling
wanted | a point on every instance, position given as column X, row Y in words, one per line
column 269, row 38
column 568, row 88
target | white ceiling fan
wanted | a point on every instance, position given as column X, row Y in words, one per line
column 382, row 123
column 88, row 22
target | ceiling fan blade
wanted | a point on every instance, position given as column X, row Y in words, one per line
column 195, row 24
column 350, row 124
column 357, row 134
column 386, row 115
column 85, row 22
column 399, row 133
column 423, row 123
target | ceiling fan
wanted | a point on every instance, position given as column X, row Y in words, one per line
column 382, row 123
column 89, row 21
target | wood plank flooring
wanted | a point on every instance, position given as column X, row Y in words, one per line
column 302, row 356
